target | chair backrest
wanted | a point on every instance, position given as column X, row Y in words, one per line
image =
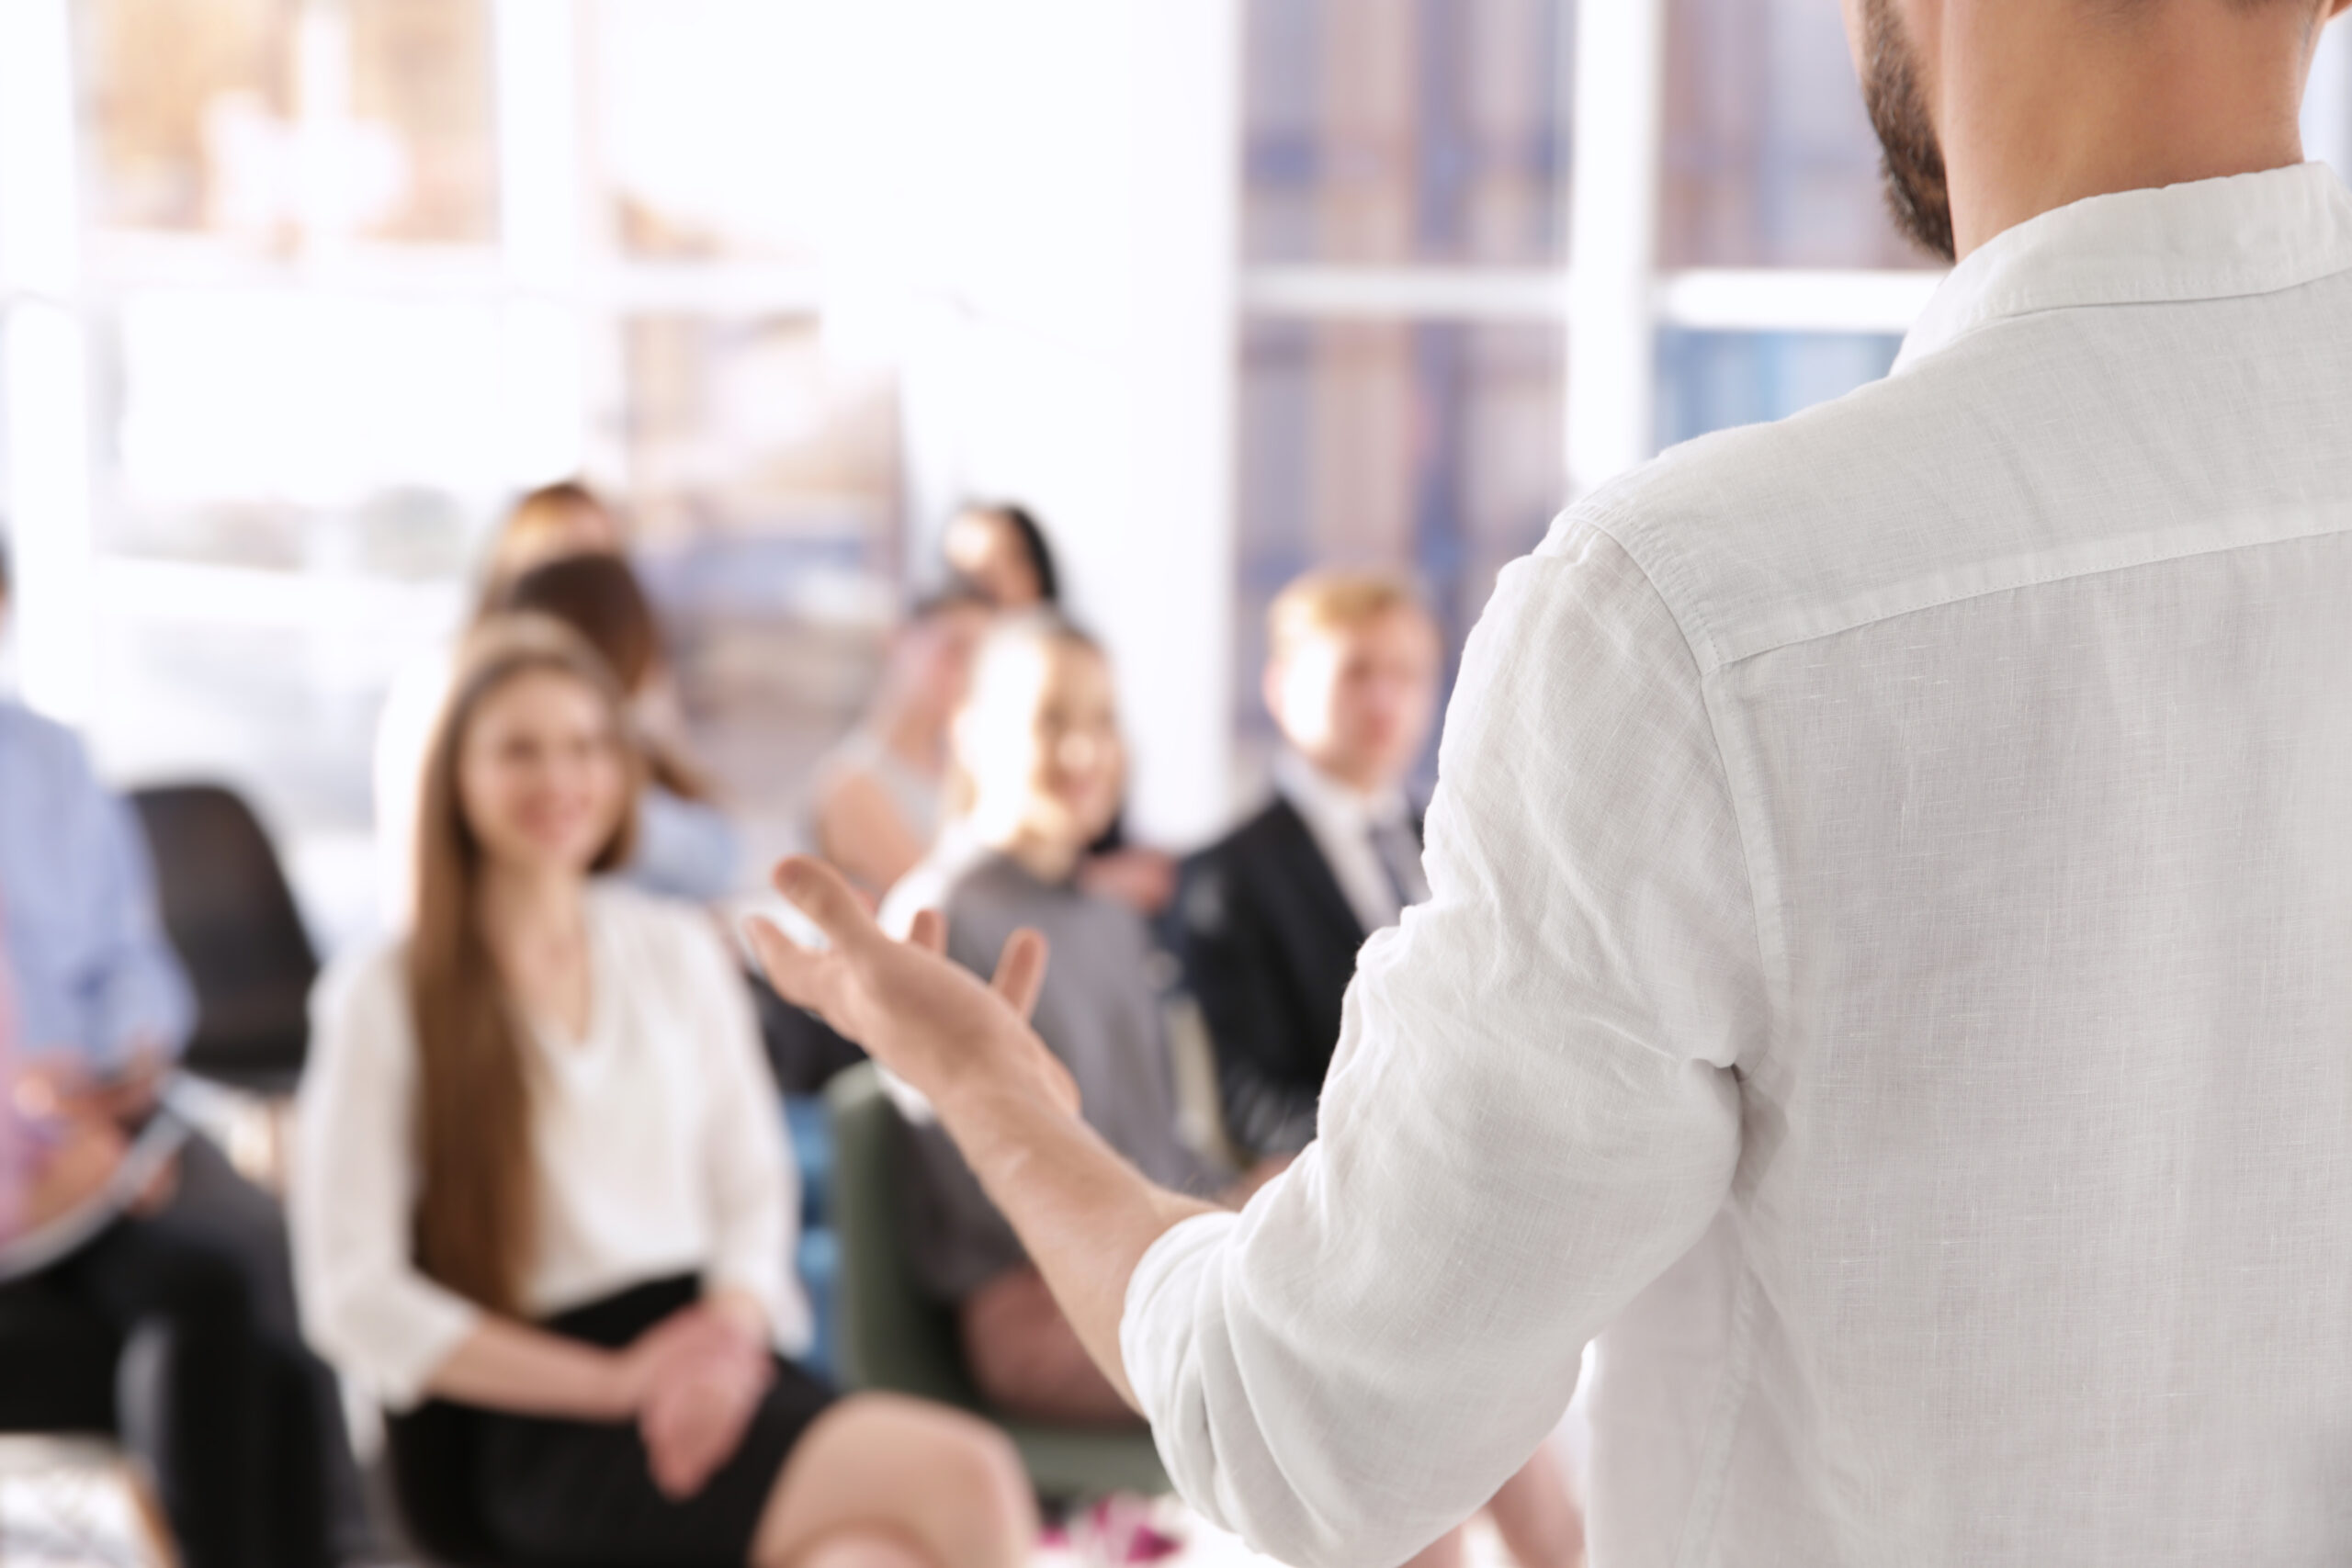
column 232, row 917
column 892, row 1336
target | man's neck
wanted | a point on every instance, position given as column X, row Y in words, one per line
column 1361, row 783
column 2042, row 104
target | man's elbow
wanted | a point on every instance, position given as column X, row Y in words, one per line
column 1256, row 1498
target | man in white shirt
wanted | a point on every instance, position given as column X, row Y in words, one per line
column 1889, row 965
column 1269, row 918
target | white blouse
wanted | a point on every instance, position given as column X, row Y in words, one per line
column 659, row 1143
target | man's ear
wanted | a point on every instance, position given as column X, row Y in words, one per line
column 1270, row 680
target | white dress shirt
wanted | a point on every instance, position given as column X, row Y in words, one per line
column 1340, row 820
column 659, row 1141
column 1890, row 968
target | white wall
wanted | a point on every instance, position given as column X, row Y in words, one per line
column 1070, row 338
column 2327, row 102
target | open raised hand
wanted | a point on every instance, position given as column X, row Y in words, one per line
column 920, row 1015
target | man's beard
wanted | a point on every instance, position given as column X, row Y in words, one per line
column 1912, row 159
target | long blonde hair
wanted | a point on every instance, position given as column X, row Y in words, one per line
column 473, row 1114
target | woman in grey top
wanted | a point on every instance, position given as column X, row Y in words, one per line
column 1039, row 770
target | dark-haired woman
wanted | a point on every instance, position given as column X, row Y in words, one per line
column 542, row 1199
column 1000, row 549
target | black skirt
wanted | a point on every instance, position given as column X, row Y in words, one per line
column 484, row 1485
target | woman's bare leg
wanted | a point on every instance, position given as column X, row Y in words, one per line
column 946, row 1485
column 861, row 1549
column 1538, row 1520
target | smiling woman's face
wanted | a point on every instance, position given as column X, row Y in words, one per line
column 1041, row 744
column 540, row 773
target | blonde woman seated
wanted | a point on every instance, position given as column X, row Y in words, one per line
column 1039, row 759
column 542, row 1208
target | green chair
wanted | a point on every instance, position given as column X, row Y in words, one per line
column 893, row 1337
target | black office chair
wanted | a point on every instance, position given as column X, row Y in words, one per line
column 232, row 920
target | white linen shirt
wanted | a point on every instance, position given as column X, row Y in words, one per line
column 1340, row 820
column 658, row 1139
column 1890, row 963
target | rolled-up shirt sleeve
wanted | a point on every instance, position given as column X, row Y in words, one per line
column 1533, row 1111
column 364, row 1305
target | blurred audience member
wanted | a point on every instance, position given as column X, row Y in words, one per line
column 544, row 1210
column 554, row 521
column 1000, row 548
column 878, row 792
column 99, row 1011
column 1269, row 918
column 685, row 847
column 1039, row 766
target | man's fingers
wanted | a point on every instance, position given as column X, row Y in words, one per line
column 1021, row 970
column 792, row 969
column 819, row 892
column 929, row 932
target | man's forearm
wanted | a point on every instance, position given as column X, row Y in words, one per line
column 1086, row 1215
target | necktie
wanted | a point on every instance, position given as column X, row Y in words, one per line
column 1400, row 857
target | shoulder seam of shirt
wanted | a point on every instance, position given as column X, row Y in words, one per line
column 2046, row 568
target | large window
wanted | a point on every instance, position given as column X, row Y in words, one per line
column 1404, row 207
column 296, row 294
column 339, row 277
column 1410, row 179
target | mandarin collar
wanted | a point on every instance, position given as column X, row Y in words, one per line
column 2207, row 239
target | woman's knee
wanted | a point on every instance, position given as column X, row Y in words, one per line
column 949, row 1481
column 862, row 1549
column 972, row 1476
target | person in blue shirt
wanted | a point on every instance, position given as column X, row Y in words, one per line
column 243, row 1435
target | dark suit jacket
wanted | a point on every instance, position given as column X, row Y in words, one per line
column 1269, row 945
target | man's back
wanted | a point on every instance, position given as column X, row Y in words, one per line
column 2031, row 674
column 1888, row 974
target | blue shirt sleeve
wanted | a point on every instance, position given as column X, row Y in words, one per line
column 95, row 974
column 137, row 993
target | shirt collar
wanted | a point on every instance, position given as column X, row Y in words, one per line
column 2207, row 239
column 1324, row 798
